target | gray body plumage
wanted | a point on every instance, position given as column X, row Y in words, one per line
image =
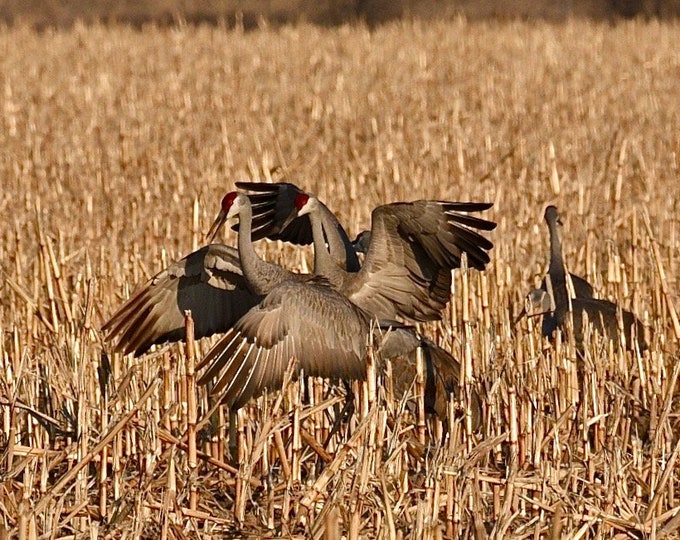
column 601, row 314
column 306, row 320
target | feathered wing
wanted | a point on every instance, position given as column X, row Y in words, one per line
column 209, row 282
column 308, row 321
column 275, row 217
column 414, row 247
column 273, row 207
column 444, row 232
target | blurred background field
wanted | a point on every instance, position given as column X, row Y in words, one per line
column 115, row 149
column 254, row 13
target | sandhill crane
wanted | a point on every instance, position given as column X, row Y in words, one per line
column 555, row 279
column 268, row 299
column 553, row 300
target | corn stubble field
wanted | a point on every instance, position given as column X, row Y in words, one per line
column 115, row 149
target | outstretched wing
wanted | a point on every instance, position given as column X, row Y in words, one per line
column 273, row 207
column 209, row 282
column 413, row 248
column 305, row 320
column 444, row 232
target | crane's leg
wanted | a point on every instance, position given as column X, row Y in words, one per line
column 345, row 414
column 233, row 434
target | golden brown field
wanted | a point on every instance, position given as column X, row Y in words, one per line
column 115, row 149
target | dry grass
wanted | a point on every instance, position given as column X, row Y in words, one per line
column 115, row 147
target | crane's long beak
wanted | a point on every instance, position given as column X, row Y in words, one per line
column 519, row 317
column 534, row 305
column 216, row 226
column 291, row 217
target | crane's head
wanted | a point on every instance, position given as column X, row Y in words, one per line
column 305, row 203
column 552, row 215
column 362, row 241
column 537, row 302
column 232, row 204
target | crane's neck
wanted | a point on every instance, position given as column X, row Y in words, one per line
column 556, row 268
column 324, row 265
column 260, row 275
column 339, row 246
column 556, row 273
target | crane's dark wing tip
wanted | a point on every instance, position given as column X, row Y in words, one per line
column 263, row 187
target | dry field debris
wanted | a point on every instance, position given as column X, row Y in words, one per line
column 116, row 147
